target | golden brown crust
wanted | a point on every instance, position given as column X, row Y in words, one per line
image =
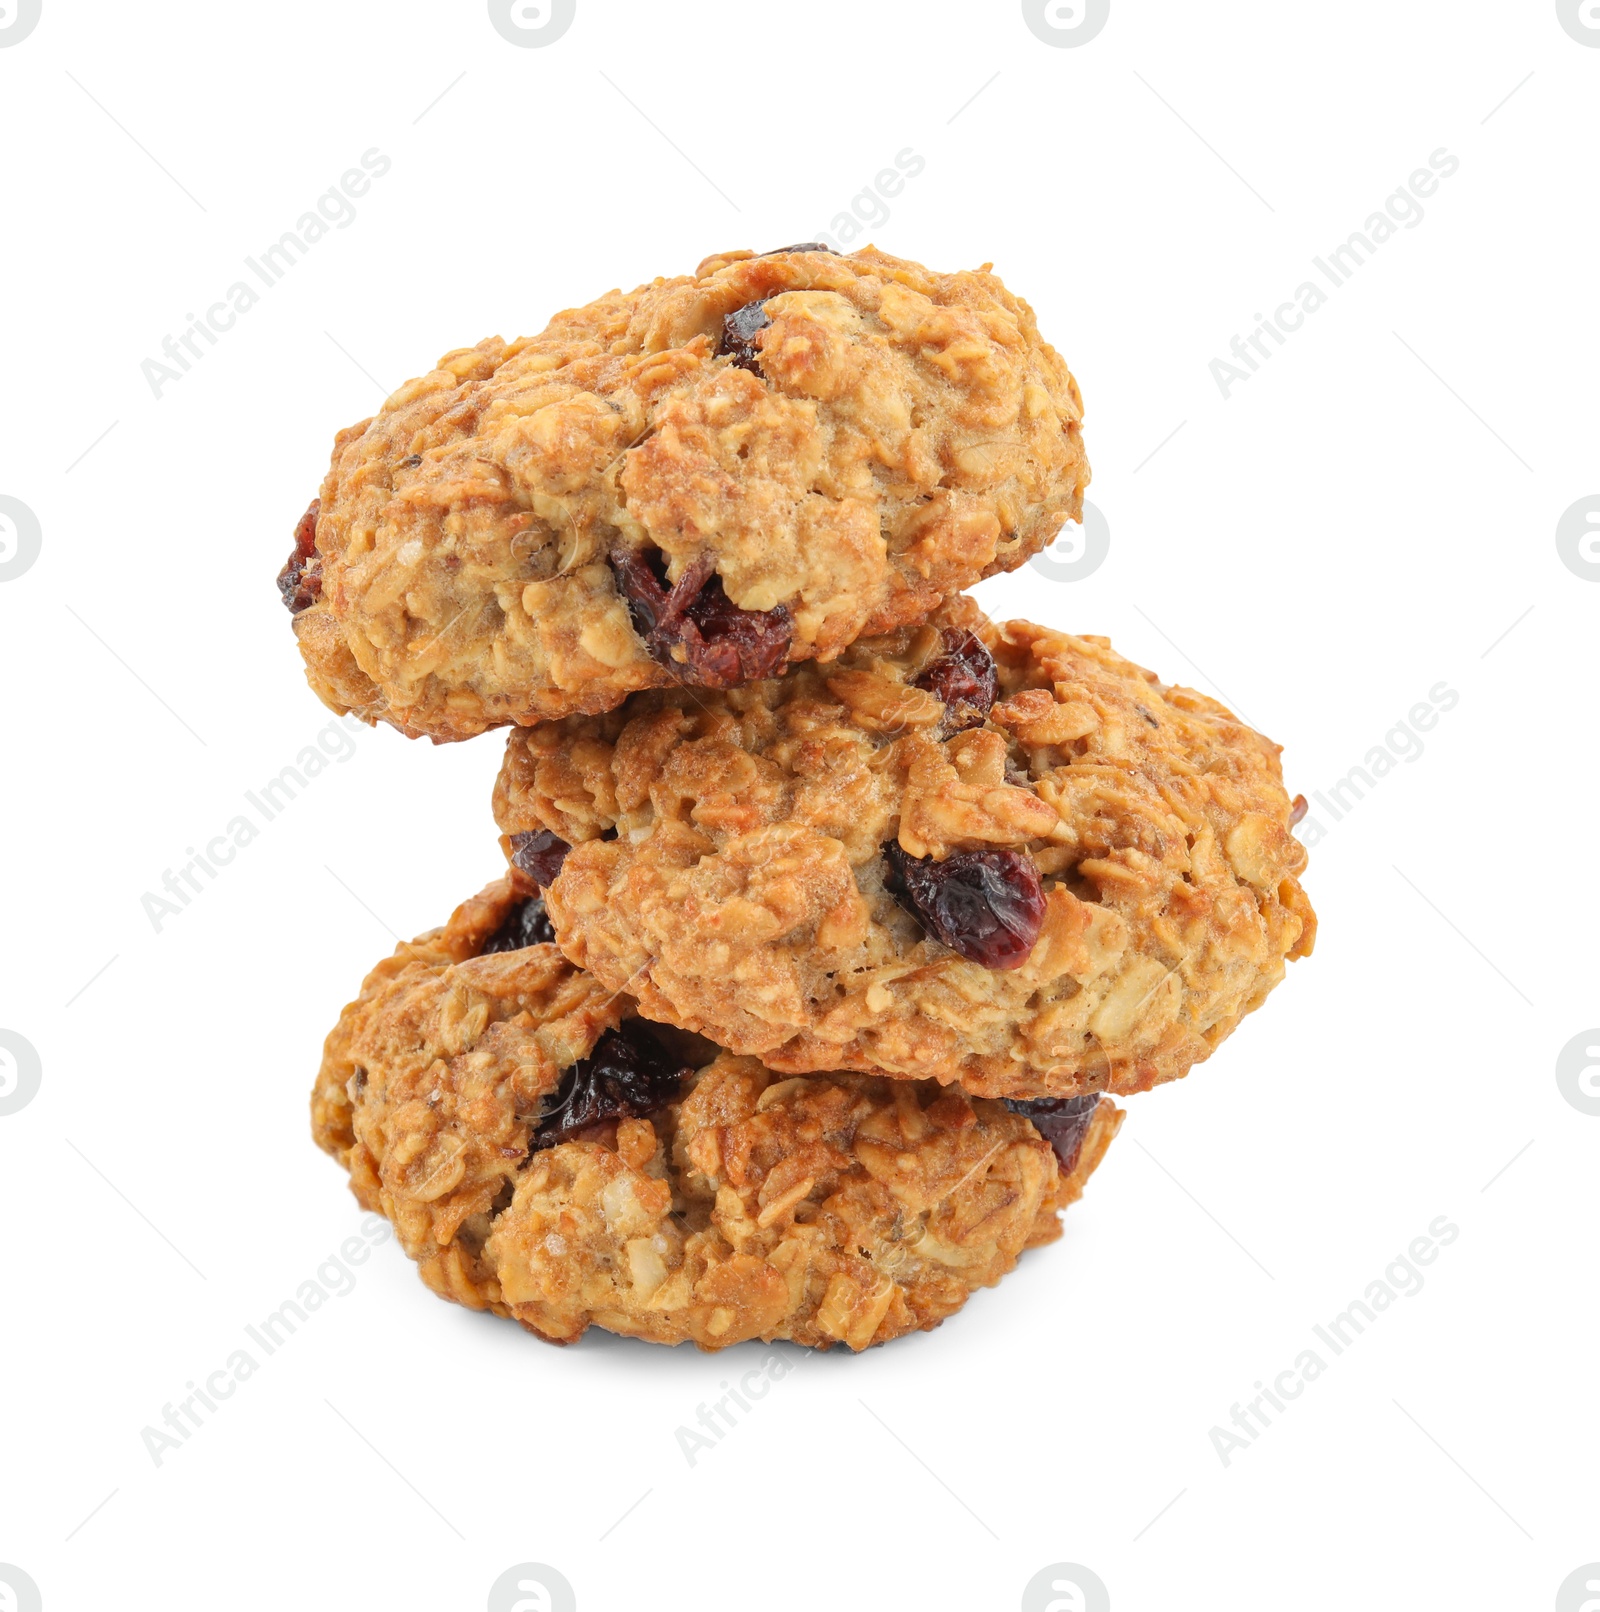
column 828, row 1209
column 429, row 1079
column 910, row 432
column 743, row 895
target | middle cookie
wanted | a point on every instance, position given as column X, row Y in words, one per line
column 1002, row 856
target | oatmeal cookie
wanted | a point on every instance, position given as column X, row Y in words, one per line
column 545, row 1154
column 995, row 855
column 695, row 482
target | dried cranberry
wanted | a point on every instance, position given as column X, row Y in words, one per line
column 300, row 581
column 964, row 678
column 986, row 906
column 527, row 924
column 802, row 246
column 641, row 580
column 539, row 854
column 1298, row 809
column 739, row 330
column 1062, row 1121
column 722, row 645
column 628, row 1075
column 735, row 646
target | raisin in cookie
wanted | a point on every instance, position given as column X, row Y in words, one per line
column 546, row 1155
column 1002, row 856
column 697, row 482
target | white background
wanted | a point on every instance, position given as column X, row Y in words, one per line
column 1371, row 514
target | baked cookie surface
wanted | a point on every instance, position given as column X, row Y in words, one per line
column 698, row 482
column 995, row 855
column 547, row 1156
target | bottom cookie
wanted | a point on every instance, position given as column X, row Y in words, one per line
column 545, row 1154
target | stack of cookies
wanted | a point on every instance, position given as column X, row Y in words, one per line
column 833, row 910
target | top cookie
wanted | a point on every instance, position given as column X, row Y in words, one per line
column 696, row 482
column 1002, row 856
